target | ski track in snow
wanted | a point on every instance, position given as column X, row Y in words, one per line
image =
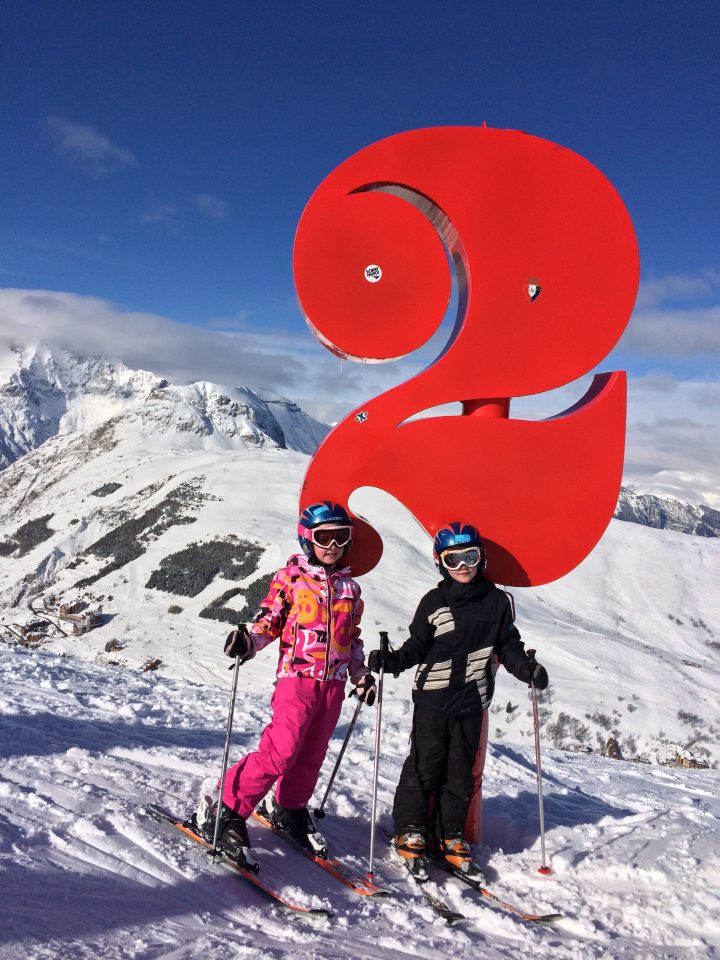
column 84, row 872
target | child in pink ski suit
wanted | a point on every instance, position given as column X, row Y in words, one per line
column 314, row 609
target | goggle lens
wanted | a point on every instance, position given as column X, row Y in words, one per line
column 454, row 559
column 327, row 536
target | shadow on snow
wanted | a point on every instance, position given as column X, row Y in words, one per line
column 511, row 824
column 41, row 734
column 59, row 905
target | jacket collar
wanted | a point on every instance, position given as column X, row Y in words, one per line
column 456, row 592
column 304, row 562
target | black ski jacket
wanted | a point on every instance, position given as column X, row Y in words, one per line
column 456, row 633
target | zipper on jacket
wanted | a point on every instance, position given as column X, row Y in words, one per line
column 329, row 627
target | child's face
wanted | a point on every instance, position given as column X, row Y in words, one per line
column 332, row 553
column 328, row 555
column 463, row 574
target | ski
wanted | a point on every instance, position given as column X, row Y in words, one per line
column 440, row 907
column 337, row 869
column 165, row 817
column 477, row 885
column 424, row 885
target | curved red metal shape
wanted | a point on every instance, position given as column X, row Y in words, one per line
column 547, row 268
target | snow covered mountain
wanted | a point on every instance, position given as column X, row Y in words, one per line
column 47, row 392
column 667, row 513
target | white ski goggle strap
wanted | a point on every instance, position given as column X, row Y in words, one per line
column 454, row 559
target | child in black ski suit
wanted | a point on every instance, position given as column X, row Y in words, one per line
column 459, row 629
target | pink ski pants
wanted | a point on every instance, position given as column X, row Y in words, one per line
column 292, row 747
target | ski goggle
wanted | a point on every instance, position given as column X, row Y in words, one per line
column 327, row 536
column 454, row 559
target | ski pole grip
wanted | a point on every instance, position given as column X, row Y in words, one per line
column 238, row 642
column 239, row 646
column 384, row 646
column 531, row 654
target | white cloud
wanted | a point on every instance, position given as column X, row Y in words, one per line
column 676, row 317
column 169, row 214
column 677, row 334
column 178, row 351
column 211, row 207
column 87, row 147
column 673, row 437
column 162, row 213
column 673, row 440
column 677, row 286
column 274, row 362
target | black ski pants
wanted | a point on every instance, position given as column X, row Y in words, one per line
column 436, row 780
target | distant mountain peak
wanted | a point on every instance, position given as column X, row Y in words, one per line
column 50, row 391
column 667, row 513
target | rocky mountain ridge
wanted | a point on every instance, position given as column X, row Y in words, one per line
column 50, row 392
column 667, row 513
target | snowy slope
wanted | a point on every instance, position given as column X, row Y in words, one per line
column 104, row 509
column 84, row 873
column 630, row 638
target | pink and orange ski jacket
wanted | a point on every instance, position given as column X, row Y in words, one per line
column 316, row 613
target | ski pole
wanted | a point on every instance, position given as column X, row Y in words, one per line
column 236, row 669
column 544, row 869
column 320, row 811
column 384, row 648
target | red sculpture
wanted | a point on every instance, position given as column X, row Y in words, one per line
column 547, row 268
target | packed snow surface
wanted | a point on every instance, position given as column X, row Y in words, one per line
column 635, row 849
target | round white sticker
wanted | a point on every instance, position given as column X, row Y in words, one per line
column 373, row 273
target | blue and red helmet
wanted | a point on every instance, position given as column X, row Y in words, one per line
column 324, row 511
column 458, row 534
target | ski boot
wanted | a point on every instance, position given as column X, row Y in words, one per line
column 235, row 842
column 458, row 856
column 301, row 827
column 434, row 848
column 233, row 837
column 203, row 820
column 411, row 846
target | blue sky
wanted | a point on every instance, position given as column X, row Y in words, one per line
column 157, row 156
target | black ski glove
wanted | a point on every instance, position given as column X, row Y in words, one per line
column 389, row 660
column 540, row 677
column 366, row 689
column 533, row 673
column 240, row 643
